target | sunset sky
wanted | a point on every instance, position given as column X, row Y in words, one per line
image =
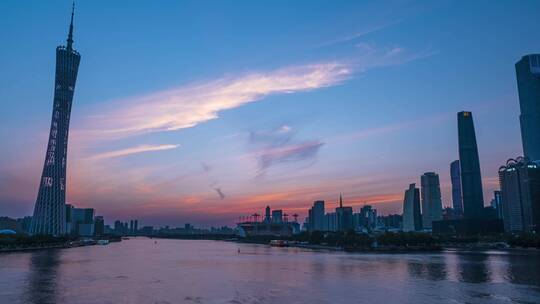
column 199, row 112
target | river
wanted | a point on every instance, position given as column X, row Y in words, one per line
column 142, row 270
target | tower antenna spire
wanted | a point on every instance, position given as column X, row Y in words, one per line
column 70, row 35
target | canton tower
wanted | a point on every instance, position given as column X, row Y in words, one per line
column 50, row 209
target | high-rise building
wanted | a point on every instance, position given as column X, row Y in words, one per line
column 79, row 221
column 471, row 180
column 119, row 228
column 528, row 81
column 316, row 216
column 455, row 177
column 277, row 216
column 267, row 216
column 330, row 222
column 367, row 218
column 412, row 218
column 344, row 217
column 431, row 199
column 496, row 203
column 99, row 225
column 50, row 208
column 520, row 190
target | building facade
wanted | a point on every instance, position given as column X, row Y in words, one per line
column 471, row 179
column 79, row 221
column 431, row 199
column 316, row 216
column 344, row 217
column 49, row 215
column 520, row 190
column 455, row 177
column 412, row 218
column 528, row 81
column 496, row 203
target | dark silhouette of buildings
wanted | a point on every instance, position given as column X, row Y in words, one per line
column 316, row 216
column 50, row 208
column 431, row 199
column 455, row 176
column 79, row 221
column 277, row 216
column 528, row 81
column 496, row 203
column 344, row 216
column 412, row 218
column 366, row 219
column 520, row 190
column 267, row 216
column 471, row 180
column 275, row 226
column 99, row 226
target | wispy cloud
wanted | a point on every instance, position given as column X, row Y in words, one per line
column 220, row 193
column 289, row 153
column 277, row 146
column 358, row 34
column 133, row 150
column 190, row 105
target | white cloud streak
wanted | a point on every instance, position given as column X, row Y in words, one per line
column 194, row 104
column 133, row 150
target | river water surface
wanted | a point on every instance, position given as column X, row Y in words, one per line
column 163, row 271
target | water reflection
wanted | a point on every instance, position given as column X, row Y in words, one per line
column 42, row 277
column 429, row 268
column 177, row 271
column 473, row 268
column 524, row 269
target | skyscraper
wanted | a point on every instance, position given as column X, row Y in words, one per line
column 316, row 216
column 277, row 216
column 267, row 216
column 344, row 217
column 471, row 180
column 528, row 81
column 520, row 189
column 455, row 176
column 496, row 203
column 431, row 199
column 412, row 219
column 49, row 210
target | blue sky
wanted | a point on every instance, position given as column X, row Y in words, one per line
column 204, row 111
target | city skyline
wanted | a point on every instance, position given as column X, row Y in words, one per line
column 170, row 143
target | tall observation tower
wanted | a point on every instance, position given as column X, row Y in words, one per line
column 50, row 209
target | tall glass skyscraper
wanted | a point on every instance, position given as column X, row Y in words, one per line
column 50, row 208
column 528, row 80
column 431, row 199
column 471, row 180
column 455, row 177
column 316, row 216
column 412, row 218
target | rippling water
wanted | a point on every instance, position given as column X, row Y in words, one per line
column 181, row 271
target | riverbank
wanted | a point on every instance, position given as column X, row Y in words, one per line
column 24, row 243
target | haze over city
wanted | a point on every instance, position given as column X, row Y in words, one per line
column 199, row 112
